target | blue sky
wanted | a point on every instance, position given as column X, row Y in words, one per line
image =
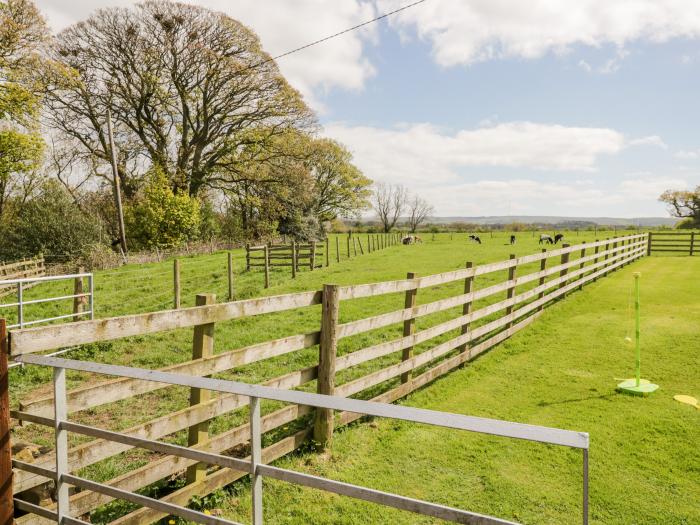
column 585, row 108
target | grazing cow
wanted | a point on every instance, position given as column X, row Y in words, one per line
column 512, row 239
column 417, row 239
column 558, row 237
column 546, row 239
column 475, row 238
column 411, row 239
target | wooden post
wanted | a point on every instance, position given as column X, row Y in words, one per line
column 202, row 347
column 510, row 293
column 176, row 283
column 354, row 246
column 583, row 254
column 328, row 252
column 247, row 257
column 614, row 247
column 467, row 306
column 369, row 243
column 6, row 502
column 649, row 243
column 543, row 266
column 78, row 302
column 409, row 326
column 230, row 276
column 562, row 273
column 692, row 243
column 359, row 242
column 267, row 266
column 312, row 256
column 348, row 243
column 337, row 248
column 328, row 347
column 294, row 259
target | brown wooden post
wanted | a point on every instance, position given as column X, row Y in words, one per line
column 511, row 289
column 176, row 283
column 337, row 248
column 312, row 256
column 359, row 242
column 267, row 266
column 409, row 326
column 692, row 243
column 247, row 257
column 649, row 243
column 543, row 266
column 562, row 273
column 328, row 252
column 354, row 246
column 230, row 276
column 348, row 243
column 294, row 259
column 202, row 347
column 79, row 299
column 595, row 261
column 614, row 247
column 6, row 502
column 328, row 347
column 583, row 254
column 369, row 243
column 467, row 306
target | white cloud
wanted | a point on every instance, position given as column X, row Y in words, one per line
column 282, row 26
column 651, row 140
column 687, row 154
column 480, row 30
column 448, row 168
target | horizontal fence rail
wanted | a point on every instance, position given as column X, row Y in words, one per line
column 254, row 465
column 477, row 307
column 687, row 243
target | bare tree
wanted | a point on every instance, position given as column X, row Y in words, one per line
column 389, row 202
column 419, row 210
column 187, row 87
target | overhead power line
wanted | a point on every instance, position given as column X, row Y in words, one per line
column 348, row 30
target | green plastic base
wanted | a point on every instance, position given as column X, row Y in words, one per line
column 629, row 386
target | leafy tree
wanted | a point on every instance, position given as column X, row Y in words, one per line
column 341, row 190
column 187, row 87
column 49, row 223
column 684, row 204
column 160, row 217
column 22, row 33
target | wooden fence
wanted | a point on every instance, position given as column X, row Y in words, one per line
column 299, row 256
column 468, row 311
column 687, row 243
column 23, row 269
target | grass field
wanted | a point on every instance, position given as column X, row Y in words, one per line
column 560, row 337
column 559, row 372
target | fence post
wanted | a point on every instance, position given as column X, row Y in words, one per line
column 543, row 266
column 328, row 252
column 614, row 247
column 294, row 259
column 312, row 256
column 409, row 326
column 562, row 273
column 91, row 297
column 359, row 242
column 202, row 347
column 583, row 254
column 649, row 243
column 61, row 442
column 692, row 243
column 255, row 460
column 511, row 289
column 6, row 503
column 323, row 424
column 369, row 243
column 348, row 242
column 176, row 282
column 467, row 306
column 230, row 276
column 20, row 304
column 267, row 266
column 247, row 257
column 78, row 299
column 337, row 248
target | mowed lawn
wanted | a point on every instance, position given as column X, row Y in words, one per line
column 560, row 372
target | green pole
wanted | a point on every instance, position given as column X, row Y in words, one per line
column 636, row 309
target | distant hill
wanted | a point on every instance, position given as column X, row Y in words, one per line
column 644, row 222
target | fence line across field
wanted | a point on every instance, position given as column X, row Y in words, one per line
column 476, row 329
column 254, row 464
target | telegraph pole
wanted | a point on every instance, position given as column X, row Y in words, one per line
column 117, row 190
